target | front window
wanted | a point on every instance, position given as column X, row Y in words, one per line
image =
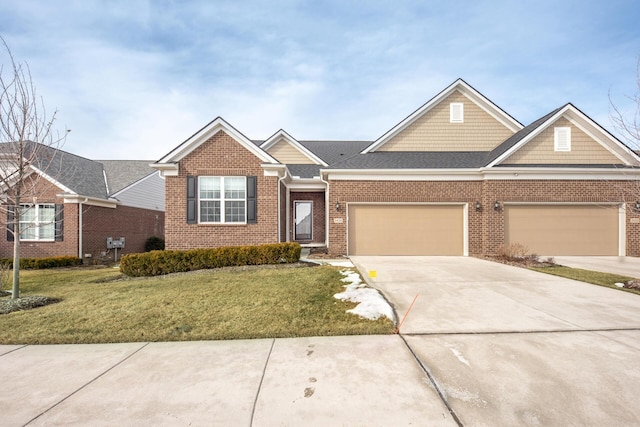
column 37, row 222
column 223, row 199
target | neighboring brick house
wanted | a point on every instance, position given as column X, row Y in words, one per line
column 459, row 176
column 77, row 204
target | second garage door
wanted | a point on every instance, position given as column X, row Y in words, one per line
column 563, row 229
column 406, row 229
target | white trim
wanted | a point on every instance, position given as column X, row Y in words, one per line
column 466, row 90
column 90, row 201
column 282, row 135
column 166, row 169
column 465, row 217
column 622, row 230
column 222, row 199
column 204, row 134
column 501, row 173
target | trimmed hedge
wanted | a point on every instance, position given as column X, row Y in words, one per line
column 156, row 263
column 41, row 263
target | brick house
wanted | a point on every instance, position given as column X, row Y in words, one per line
column 75, row 204
column 459, row 176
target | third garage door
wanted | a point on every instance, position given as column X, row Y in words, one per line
column 563, row 229
column 406, row 229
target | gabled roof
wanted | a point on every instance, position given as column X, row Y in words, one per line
column 464, row 88
column 414, row 160
column 120, row 174
column 79, row 176
column 198, row 138
column 577, row 118
column 282, row 135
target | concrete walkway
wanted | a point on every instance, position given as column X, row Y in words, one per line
column 623, row 265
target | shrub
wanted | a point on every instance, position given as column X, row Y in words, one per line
column 517, row 252
column 154, row 243
column 41, row 263
column 157, row 262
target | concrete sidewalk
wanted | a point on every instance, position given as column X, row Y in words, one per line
column 357, row 380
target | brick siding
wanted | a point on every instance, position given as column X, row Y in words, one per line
column 220, row 155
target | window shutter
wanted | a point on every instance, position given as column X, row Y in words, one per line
column 562, row 138
column 252, row 207
column 10, row 225
column 59, row 225
column 192, row 199
column 456, row 110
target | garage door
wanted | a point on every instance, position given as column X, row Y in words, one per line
column 406, row 230
column 563, row 230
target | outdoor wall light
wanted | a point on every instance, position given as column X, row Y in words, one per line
column 496, row 206
column 478, row 207
column 338, row 206
column 638, row 206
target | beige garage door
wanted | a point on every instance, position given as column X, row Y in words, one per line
column 563, row 230
column 406, row 230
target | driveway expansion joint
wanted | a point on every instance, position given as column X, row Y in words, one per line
column 15, row 349
column 532, row 331
column 86, row 384
column 433, row 382
column 264, row 371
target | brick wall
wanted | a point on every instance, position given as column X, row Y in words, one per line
column 134, row 224
column 486, row 227
column 44, row 192
column 220, row 155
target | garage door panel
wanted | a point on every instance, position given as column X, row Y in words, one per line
column 406, row 230
column 563, row 229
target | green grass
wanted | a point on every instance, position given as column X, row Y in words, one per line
column 205, row 305
column 595, row 277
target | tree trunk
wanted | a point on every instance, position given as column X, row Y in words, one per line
column 16, row 255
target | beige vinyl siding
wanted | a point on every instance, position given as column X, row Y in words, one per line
column 406, row 230
column 288, row 154
column 435, row 132
column 563, row 229
column 584, row 149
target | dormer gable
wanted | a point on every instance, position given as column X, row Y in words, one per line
column 457, row 119
column 287, row 150
column 565, row 136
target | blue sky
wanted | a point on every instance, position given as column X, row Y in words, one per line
column 132, row 79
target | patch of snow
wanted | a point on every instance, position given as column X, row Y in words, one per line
column 371, row 305
column 620, row 285
column 341, row 263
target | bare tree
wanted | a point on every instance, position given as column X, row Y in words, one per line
column 27, row 141
column 627, row 124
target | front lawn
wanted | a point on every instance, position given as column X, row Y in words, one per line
column 595, row 277
column 100, row 306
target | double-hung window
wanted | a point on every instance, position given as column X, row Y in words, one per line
column 223, row 199
column 37, row 222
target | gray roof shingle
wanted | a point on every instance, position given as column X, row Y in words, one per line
column 122, row 173
column 414, row 160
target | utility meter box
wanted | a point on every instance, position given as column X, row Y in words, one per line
column 115, row 243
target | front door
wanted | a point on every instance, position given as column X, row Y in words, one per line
column 303, row 217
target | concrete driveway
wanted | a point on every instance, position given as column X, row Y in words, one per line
column 508, row 346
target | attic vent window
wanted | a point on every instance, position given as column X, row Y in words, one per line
column 562, row 139
column 456, row 110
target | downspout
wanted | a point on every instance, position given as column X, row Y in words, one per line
column 80, row 254
column 286, row 171
column 326, row 214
